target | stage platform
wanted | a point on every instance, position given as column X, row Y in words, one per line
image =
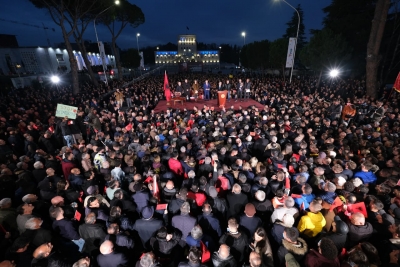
column 162, row 105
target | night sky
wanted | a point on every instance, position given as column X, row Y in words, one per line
column 213, row 21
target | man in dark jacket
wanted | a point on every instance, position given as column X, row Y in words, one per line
column 176, row 203
column 120, row 239
column 236, row 240
column 184, row 222
column 236, row 201
column 92, row 233
column 209, row 223
column 37, row 235
column 359, row 230
column 194, row 258
column 293, row 244
column 249, row 221
column 110, row 258
column 164, row 243
column 223, row 257
column 147, row 226
column 186, row 89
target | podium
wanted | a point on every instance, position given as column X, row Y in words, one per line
column 222, row 95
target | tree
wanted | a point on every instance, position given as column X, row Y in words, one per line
column 374, row 45
column 351, row 19
column 325, row 49
column 130, row 58
column 278, row 53
column 292, row 28
column 60, row 11
column 116, row 19
column 255, row 55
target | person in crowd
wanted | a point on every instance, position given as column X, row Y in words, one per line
column 223, row 257
column 109, row 257
column 326, row 255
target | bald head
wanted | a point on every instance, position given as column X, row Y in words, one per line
column 7, row 264
column 43, row 251
column 357, row 218
column 57, row 201
column 224, row 251
column 107, row 247
column 255, row 259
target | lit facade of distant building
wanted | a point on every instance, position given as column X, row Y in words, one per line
column 187, row 52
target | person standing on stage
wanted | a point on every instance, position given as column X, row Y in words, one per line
column 247, row 89
column 220, row 87
column 186, row 90
column 179, row 88
column 206, row 88
column 240, row 91
column 196, row 88
column 228, row 88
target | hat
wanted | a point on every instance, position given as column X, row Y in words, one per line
column 357, row 182
column 322, row 155
column 147, row 212
column 92, row 189
column 250, row 210
column 341, row 226
column 212, row 192
column 291, row 261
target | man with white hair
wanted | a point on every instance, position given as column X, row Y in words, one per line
column 288, row 208
column 236, row 200
column 8, row 215
column 39, row 173
column 37, row 235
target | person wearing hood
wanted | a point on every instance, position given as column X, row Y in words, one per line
column 338, row 233
column 326, row 255
column 292, row 243
column 223, row 257
column 163, row 243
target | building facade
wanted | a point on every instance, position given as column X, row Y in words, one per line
column 188, row 53
column 44, row 60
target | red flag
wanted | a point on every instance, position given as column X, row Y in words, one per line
column 167, row 90
column 336, row 203
column 396, row 85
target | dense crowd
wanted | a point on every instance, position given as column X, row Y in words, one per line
column 310, row 180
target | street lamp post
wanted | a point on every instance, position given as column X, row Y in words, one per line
column 137, row 41
column 297, row 36
column 97, row 37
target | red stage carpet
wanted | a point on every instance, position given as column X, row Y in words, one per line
column 162, row 105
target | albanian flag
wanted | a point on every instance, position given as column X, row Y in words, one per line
column 396, row 85
column 167, row 90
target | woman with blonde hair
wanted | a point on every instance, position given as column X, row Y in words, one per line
column 253, row 162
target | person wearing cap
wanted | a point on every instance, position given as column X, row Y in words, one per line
column 147, row 226
column 249, row 221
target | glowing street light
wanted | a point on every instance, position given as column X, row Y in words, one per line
column 55, row 79
column 244, row 38
column 334, row 73
column 137, row 41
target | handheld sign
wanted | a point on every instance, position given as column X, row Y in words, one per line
column 66, row 111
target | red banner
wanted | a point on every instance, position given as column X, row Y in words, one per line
column 167, row 91
column 396, row 85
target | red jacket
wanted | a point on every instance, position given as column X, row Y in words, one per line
column 175, row 166
column 199, row 197
column 67, row 166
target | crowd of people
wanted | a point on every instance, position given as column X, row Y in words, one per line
column 310, row 180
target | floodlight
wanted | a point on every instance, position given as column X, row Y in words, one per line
column 334, row 73
column 55, row 79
